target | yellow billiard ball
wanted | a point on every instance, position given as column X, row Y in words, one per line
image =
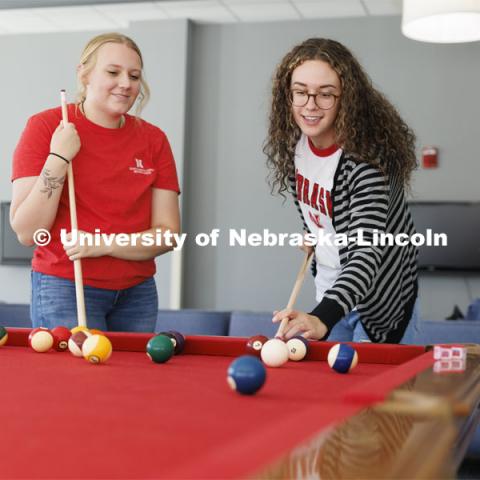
column 97, row 349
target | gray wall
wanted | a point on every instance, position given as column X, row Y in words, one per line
column 36, row 67
column 433, row 86
column 210, row 93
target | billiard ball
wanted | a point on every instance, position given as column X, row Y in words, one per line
column 95, row 331
column 274, row 353
column 97, row 349
column 297, row 348
column 160, row 348
column 60, row 338
column 79, row 328
column 246, row 375
column 342, row 358
column 40, row 339
column 3, row 336
column 179, row 341
column 255, row 344
column 75, row 342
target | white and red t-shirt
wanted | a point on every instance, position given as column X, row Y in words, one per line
column 314, row 171
column 114, row 172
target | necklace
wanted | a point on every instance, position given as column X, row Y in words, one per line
column 82, row 109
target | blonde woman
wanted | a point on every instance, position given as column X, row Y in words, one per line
column 125, row 183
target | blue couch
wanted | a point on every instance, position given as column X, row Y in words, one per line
column 193, row 322
column 246, row 323
column 15, row 315
column 449, row 331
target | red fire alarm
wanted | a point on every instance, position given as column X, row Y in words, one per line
column 429, row 157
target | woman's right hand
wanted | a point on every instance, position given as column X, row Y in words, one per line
column 306, row 248
column 65, row 141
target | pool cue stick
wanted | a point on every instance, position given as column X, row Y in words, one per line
column 296, row 288
column 77, row 264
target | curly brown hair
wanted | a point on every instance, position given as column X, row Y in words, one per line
column 367, row 126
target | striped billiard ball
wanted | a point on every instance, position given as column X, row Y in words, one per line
column 97, row 349
column 297, row 348
column 75, row 342
column 342, row 358
column 41, row 339
column 255, row 344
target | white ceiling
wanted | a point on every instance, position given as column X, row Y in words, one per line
column 113, row 16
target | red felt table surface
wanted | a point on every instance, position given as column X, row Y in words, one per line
column 130, row 418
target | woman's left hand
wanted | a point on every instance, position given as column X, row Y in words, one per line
column 84, row 246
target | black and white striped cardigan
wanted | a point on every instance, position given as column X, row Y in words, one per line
column 380, row 281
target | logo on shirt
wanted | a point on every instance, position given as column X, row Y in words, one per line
column 313, row 195
column 139, row 168
column 315, row 218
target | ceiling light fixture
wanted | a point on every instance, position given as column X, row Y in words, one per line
column 441, row 21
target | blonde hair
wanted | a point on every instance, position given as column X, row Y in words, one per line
column 89, row 58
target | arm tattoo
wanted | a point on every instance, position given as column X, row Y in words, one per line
column 51, row 183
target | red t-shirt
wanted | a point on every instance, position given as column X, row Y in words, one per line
column 114, row 173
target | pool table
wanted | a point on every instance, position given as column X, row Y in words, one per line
column 391, row 417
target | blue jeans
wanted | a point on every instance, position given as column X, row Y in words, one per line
column 129, row 310
column 350, row 329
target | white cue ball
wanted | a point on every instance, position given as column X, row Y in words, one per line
column 274, row 352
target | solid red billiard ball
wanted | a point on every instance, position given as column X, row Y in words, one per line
column 40, row 339
column 255, row 344
column 61, row 335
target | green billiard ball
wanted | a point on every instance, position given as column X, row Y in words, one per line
column 3, row 336
column 160, row 348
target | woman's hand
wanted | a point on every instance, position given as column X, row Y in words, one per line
column 65, row 141
column 300, row 323
column 84, row 246
column 307, row 248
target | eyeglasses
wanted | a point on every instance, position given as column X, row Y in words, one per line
column 323, row 100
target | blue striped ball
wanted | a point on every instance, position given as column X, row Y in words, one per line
column 342, row 358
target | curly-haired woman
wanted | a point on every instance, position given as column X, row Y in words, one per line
column 340, row 147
